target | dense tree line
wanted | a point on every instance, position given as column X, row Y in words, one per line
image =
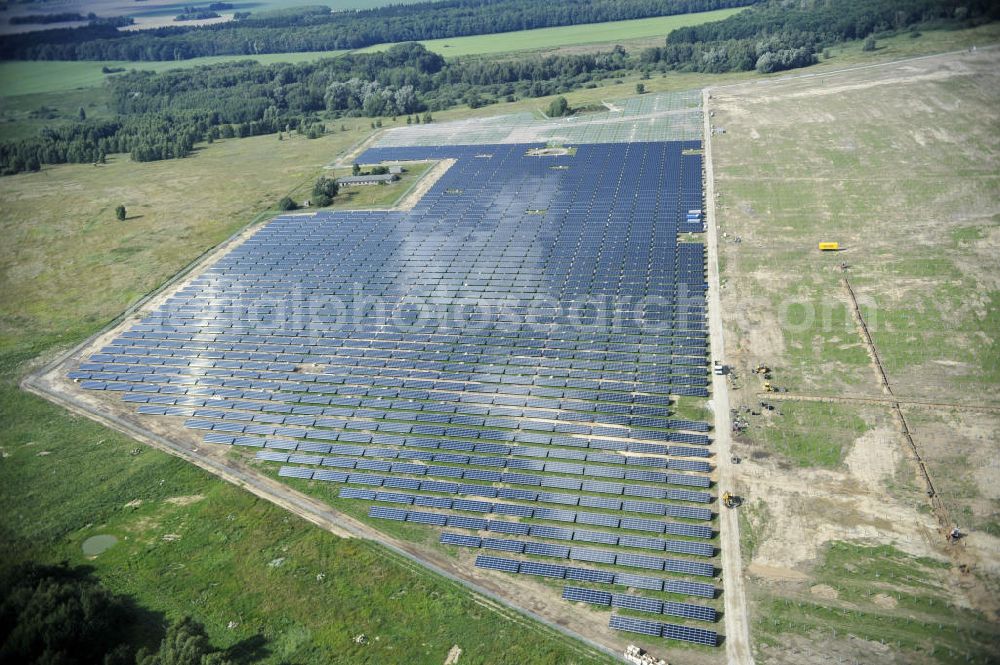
column 146, row 137
column 42, row 19
column 194, row 14
column 779, row 35
column 319, row 29
column 831, row 20
column 58, row 614
column 162, row 116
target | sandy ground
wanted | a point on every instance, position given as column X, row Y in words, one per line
column 737, row 618
column 424, row 185
column 811, row 507
column 453, row 655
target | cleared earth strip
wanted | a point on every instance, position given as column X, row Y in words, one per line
column 940, row 511
column 863, row 399
column 738, row 650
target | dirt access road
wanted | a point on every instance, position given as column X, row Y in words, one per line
column 737, row 619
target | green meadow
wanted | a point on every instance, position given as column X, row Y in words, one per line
column 570, row 35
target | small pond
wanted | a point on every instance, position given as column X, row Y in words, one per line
column 97, row 544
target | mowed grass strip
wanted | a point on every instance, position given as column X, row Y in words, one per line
column 570, row 35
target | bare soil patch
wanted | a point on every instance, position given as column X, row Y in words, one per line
column 819, row 650
column 896, row 163
column 874, row 458
column 824, row 591
column 453, row 655
column 185, row 500
column 885, row 601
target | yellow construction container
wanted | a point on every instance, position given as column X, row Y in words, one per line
column 829, row 246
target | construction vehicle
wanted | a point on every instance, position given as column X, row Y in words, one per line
column 762, row 369
column 730, row 500
column 768, row 388
column 634, row 654
column 829, row 247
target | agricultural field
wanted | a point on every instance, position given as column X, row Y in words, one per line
column 612, row 32
column 844, row 553
column 26, row 77
column 160, row 13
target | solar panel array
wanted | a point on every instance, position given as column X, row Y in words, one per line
column 651, row 117
column 500, row 359
column 667, row 630
column 573, row 553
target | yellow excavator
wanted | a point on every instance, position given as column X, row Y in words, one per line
column 768, row 388
column 730, row 500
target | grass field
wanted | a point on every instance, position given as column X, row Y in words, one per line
column 36, row 76
column 810, row 433
column 570, row 35
column 160, row 13
column 188, row 543
column 176, row 209
column 268, row 586
column 890, row 602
